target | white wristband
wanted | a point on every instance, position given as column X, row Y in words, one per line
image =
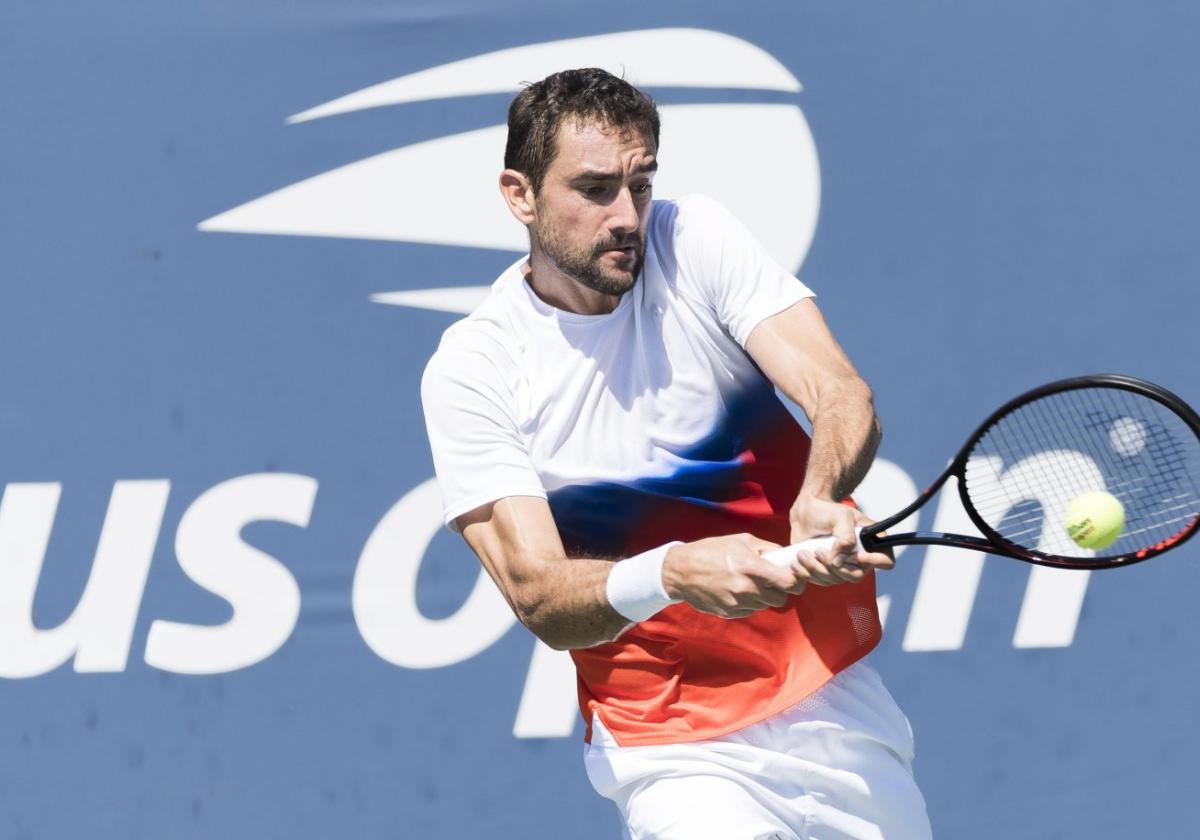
column 635, row 586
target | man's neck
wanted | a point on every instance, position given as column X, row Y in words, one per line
column 563, row 292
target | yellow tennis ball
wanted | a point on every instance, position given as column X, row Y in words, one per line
column 1095, row 519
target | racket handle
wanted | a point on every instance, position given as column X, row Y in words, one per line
column 784, row 556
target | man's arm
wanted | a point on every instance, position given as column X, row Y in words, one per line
column 564, row 601
column 798, row 353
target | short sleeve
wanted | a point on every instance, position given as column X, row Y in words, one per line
column 478, row 452
column 738, row 279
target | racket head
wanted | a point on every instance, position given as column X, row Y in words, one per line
column 1105, row 433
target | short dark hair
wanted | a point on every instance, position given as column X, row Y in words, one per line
column 538, row 111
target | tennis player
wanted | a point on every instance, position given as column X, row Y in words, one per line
column 609, row 442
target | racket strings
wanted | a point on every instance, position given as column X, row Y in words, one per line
column 1025, row 471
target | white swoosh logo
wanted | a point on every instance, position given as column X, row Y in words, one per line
column 647, row 58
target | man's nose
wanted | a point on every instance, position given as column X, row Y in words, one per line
column 624, row 218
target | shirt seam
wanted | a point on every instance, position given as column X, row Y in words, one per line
column 473, row 502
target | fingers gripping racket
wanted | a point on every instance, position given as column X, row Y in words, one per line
column 1087, row 473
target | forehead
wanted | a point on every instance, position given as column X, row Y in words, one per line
column 588, row 144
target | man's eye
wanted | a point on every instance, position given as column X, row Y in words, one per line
column 593, row 191
column 642, row 189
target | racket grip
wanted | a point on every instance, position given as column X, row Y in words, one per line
column 784, row 556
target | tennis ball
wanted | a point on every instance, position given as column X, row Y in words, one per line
column 1095, row 519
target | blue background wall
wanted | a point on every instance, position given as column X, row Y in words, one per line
column 1008, row 196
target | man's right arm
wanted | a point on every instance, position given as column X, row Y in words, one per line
column 564, row 600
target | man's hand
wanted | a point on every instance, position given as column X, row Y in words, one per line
column 844, row 562
column 728, row 577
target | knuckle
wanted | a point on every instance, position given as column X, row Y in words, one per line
column 745, row 588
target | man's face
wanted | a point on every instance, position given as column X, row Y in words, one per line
column 594, row 205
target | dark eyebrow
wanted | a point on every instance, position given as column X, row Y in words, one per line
column 599, row 175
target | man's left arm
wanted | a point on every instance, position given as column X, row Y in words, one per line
column 798, row 353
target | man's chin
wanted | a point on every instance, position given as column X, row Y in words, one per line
column 619, row 282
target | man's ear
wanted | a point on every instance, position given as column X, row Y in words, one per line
column 518, row 192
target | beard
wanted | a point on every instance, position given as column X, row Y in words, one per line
column 585, row 265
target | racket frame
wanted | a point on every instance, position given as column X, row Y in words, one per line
column 873, row 537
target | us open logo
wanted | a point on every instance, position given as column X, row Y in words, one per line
column 773, row 186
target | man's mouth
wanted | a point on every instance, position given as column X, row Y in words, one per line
column 625, row 251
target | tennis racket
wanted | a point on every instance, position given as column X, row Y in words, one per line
column 1028, row 462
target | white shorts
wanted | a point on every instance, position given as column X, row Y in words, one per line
column 836, row 766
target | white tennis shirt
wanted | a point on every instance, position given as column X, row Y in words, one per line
column 642, row 426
